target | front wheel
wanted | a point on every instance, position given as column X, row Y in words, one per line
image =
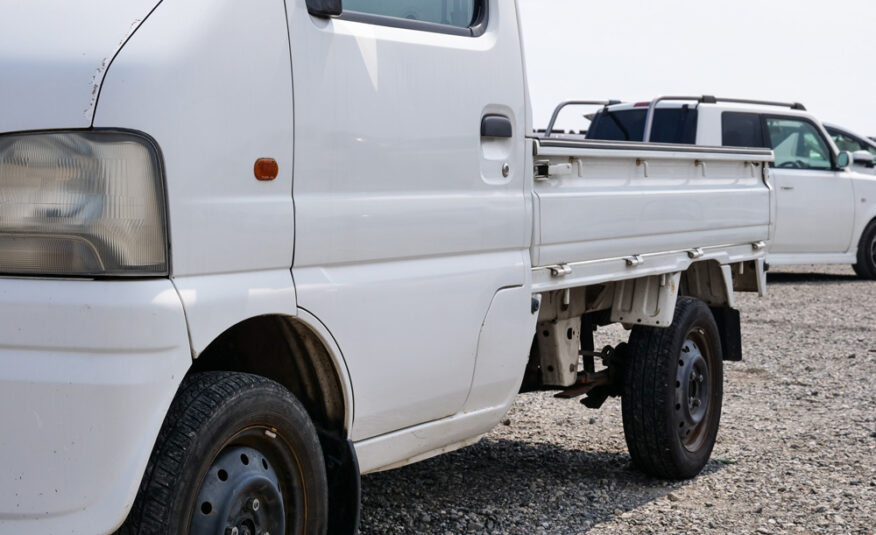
column 237, row 454
column 865, row 266
column 673, row 387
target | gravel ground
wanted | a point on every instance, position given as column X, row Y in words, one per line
column 796, row 452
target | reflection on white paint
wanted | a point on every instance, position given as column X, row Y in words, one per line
column 367, row 42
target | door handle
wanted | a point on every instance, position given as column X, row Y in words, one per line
column 496, row 126
column 787, row 188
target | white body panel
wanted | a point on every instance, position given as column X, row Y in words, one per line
column 174, row 80
column 815, row 211
column 222, row 220
column 87, row 372
column 51, row 82
column 215, row 303
column 411, row 228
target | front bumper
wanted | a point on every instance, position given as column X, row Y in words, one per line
column 87, row 372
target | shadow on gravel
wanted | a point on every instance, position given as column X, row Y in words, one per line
column 508, row 486
column 812, row 278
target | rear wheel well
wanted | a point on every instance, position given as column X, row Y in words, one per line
column 705, row 281
column 287, row 351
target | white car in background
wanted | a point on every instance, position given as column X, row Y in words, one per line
column 862, row 148
column 825, row 195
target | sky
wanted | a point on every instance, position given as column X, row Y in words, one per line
column 820, row 53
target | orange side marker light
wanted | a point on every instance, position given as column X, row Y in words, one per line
column 266, row 169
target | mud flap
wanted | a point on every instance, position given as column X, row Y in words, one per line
column 730, row 331
column 344, row 484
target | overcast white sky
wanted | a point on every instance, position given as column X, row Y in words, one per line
column 821, row 53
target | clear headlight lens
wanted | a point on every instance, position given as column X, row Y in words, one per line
column 81, row 204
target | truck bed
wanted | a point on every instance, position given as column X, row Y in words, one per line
column 619, row 210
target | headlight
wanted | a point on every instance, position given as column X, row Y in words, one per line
column 81, row 204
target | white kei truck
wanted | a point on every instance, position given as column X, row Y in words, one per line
column 252, row 250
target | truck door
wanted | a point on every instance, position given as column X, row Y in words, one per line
column 409, row 192
column 814, row 202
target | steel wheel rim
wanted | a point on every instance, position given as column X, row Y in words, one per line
column 252, row 487
column 694, row 386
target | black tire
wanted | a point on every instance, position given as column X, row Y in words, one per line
column 670, row 421
column 229, row 439
column 865, row 267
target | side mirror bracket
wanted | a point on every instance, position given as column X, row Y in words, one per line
column 324, row 8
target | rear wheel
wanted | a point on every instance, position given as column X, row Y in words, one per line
column 866, row 264
column 237, row 454
column 672, row 393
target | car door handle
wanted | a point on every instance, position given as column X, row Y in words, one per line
column 496, row 126
column 787, row 188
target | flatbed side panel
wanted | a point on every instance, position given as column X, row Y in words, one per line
column 603, row 200
column 594, row 272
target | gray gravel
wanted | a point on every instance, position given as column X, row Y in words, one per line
column 796, row 452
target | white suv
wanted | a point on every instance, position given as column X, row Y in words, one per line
column 825, row 197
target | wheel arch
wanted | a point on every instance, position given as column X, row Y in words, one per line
column 865, row 263
column 297, row 352
column 709, row 281
column 859, row 233
column 864, row 206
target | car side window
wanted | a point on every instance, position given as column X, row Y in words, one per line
column 741, row 130
column 798, row 144
column 457, row 13
column 844, row 142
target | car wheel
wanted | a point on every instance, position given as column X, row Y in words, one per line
column 237, row 454
column 865, row 267
column 673, row 387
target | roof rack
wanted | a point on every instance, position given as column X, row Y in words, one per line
column 711, row 99
column 550, row 128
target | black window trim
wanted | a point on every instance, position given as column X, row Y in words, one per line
column 768, row 139
column 477, row 29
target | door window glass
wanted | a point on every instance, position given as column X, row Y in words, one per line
column 459, row 13
column 741, row 130
column 798, row 144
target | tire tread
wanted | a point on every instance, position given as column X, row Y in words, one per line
column 198, row 398
column 647, row 429
column 865, row 266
